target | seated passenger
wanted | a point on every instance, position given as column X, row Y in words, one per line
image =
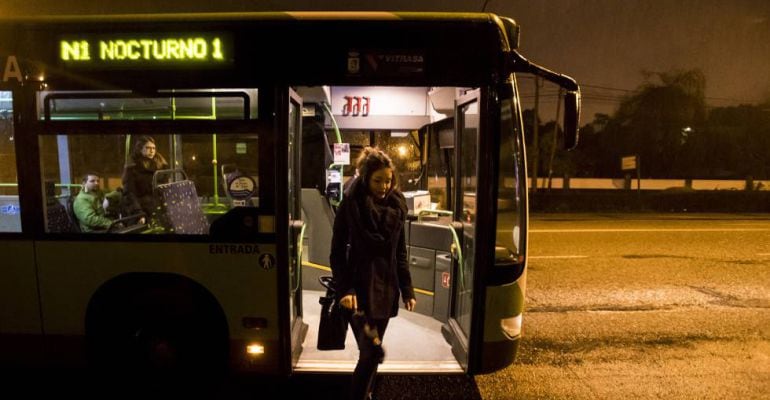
column 137, row 175
column 89, row 206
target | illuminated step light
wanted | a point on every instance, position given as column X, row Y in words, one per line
column 255, row 349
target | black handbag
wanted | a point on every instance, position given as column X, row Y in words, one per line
column 333, row 326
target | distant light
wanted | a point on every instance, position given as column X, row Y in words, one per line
column 193, row 157
column 255, row 349
column 401, row 151
column 687, row 129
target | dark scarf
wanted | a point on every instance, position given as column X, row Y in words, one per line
column 142, row 163
column 376, row 220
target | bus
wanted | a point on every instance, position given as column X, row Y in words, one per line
column 260, row 117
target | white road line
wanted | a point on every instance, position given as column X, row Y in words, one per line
column 531, row 257
column 651, row 230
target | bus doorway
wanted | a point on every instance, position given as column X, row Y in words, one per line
column 415, row 127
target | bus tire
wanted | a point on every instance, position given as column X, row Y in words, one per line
column 159, row 337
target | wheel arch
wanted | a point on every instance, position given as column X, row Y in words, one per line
column 117, row 294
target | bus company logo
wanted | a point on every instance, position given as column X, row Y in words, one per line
column 355, row 106
column 402, row 58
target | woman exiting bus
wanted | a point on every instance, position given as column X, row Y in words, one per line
column 370, row 274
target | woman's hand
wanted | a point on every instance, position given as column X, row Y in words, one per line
column 410, row 304
column 349, row 302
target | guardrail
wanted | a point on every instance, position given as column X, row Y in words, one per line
column 651, row 184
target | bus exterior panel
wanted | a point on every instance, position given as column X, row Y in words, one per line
column 97, row 267
column 20, row 315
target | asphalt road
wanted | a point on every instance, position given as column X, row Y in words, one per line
column 643, row 307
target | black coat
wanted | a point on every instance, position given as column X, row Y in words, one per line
column 375, row 270
column 137, row 183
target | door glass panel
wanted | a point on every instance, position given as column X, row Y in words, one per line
column 293, row 208
column 511, row 184
column 10, row 219
column 469, row 126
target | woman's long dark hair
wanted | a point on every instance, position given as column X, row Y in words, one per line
column 140, row 159
column 372, row 160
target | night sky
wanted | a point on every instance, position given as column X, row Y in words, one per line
column 604, row 44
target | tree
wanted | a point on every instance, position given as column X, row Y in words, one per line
column 658, row 122
column 736, row 142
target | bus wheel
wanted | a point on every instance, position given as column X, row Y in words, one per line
column 162, row 338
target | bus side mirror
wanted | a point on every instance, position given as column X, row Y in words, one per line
column 571, row 119
column 517, row 63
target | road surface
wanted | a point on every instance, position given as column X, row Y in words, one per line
column 643, row 307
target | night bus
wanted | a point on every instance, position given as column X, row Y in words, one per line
column 260, row 117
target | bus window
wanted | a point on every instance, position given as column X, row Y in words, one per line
column 404, row 150
column 469, row 149
column 184, row 196
column 440, row 164
column 10, row 220
column 120, row 105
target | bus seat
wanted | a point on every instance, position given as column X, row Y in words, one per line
column 60, row 219
column 181, row 209
column 71, row 213
column 229, row 172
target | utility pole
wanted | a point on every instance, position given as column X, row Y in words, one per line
column 555, row 137
column 535, row 149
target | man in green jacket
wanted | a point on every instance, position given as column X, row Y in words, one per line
column 90, row 204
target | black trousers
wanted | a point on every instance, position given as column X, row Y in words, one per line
column 369, row 356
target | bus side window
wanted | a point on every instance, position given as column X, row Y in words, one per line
column 10, row 218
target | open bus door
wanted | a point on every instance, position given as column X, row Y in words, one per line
column 458, row 329
column 296, row 224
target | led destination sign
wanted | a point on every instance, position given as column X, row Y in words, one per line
column 142, row 50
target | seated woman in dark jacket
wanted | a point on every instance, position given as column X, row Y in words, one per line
column 137, row 175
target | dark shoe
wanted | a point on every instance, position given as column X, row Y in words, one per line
column 379, row 354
